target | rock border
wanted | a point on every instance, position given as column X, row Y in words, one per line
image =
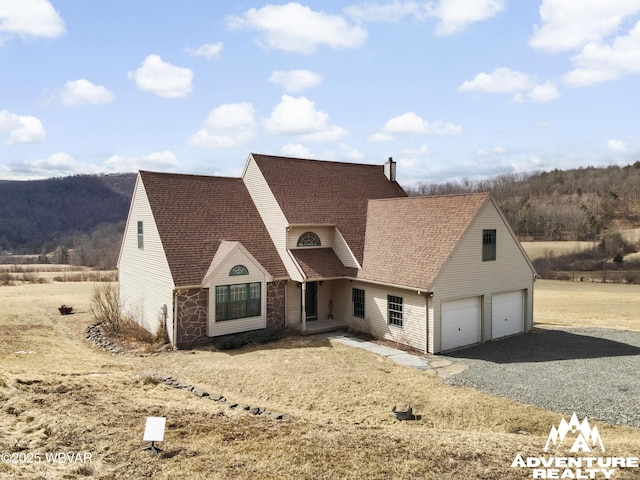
column 95, row 336
column 220, row 399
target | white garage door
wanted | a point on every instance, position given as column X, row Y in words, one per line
column 508, row 314
column 460, row 324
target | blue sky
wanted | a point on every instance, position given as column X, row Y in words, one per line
column 452, row 89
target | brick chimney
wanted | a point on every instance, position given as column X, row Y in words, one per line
column 390, row 170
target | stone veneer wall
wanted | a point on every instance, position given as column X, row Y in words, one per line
column 276, row 314
column 192, row 313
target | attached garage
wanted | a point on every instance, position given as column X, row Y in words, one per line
column 508, row 314
column 460, row 324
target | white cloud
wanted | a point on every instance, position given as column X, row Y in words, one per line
column 544, row 93
column 29, row 18
column 501, row 80
column 295, row 80
column 297, row 150
column 83, row 92
column 456, row 15
column 498, row 150
column 21, row 128
column 297, row 28
column 62, row 164
column 571, row 24
column 387, row 12
column 350, row 152
column 616, row 145
column 299, row 116
column 409, row 123
column 162, row 78
column 226, row 126
column 165, row 160
column 208, row 50
column 381, row 137
column 599, row 62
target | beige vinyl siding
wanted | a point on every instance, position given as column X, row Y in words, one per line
column 145, row 279
column 343, row 251
column 293, row 303
column 324, row 234
column 413, row 331
column 466, row 275
column 221, row 277
column 271, row 214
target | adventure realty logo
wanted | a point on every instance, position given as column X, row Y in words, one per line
column 583, row 439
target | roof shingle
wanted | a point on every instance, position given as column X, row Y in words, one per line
column 323, row 192
column 409, row 240
column 194, row 213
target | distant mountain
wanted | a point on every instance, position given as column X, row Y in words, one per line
column 41, row 214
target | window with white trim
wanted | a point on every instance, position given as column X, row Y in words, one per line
column 308, row 239
column 241, row 300
column 357, row 298
column 394, row 310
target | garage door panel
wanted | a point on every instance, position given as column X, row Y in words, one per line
column 460, row 323
column 508, row 314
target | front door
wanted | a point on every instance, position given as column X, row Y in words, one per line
column 311, row 301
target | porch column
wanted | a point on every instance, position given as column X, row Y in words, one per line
column 304, row 306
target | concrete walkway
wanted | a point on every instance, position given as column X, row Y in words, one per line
column 430, row 364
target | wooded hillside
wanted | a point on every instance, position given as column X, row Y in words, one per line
column 574, row 204
column 86, row 213
column 42, row 214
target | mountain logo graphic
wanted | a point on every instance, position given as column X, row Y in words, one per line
column 586, row 438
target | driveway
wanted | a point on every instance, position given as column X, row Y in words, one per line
column 594, row 372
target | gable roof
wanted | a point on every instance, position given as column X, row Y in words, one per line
column 320, row 263
column 327, row 193
column 195, row 213
column 409, row 240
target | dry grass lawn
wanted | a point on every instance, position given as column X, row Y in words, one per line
column 59, row 393
column 575, row 304
column 543, row 249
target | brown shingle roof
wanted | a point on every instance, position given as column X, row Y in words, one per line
column 409, row 240
column 194, row 213
column 322, row 192
column 319, row 263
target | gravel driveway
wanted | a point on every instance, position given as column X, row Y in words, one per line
column 594, row 372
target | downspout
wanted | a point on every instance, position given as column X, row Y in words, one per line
column 426, row 345
column 175, row 318
column 303, row 289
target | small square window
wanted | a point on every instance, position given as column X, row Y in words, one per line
column 488, row 245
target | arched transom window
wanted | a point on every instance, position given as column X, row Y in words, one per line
column 309, row 239
column 238, row 270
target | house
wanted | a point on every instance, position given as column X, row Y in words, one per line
column 296, row 241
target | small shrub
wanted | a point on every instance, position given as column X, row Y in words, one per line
column 258, row 337
column 106, row 308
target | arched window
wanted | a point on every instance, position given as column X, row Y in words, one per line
column 238, row 270
column 309, row 239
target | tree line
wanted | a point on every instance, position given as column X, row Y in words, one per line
column 577, row 204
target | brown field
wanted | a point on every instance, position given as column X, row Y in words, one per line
column 58, row 393
column 543, row 249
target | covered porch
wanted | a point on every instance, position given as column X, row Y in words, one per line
column 322, row 289
column 320, row 326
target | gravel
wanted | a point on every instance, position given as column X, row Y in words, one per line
column 594, row 372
